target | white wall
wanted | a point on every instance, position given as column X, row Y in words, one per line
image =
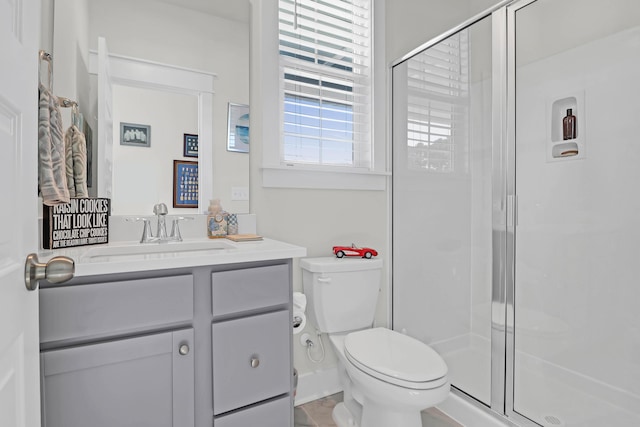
column 46, row 25
column 161, row 32
column 70, row 51
column 411, row 23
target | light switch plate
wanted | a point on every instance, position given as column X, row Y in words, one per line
column 239, row 193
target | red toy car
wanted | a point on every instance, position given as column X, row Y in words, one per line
column 341, row 251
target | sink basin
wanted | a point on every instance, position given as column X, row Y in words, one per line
column 158, row 249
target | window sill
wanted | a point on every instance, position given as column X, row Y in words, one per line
column 331, row 179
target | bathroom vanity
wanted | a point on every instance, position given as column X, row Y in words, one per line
column 193, row 338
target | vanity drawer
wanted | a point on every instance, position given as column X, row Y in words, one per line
column 263, row 339
column 276, row 413
column 249, row 289
column 112, row 308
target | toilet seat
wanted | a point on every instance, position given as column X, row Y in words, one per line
column 395, row 358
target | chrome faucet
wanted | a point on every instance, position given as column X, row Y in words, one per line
column 160, row 210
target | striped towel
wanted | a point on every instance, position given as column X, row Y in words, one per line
column 52, row 178
column 76, row 162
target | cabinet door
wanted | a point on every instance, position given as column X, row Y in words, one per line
column 138, row 382
column 251, row 360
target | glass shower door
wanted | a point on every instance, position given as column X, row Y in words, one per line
column 442, row 203
column 576, row 322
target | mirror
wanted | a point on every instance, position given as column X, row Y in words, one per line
column 210, row 36
column 143, row 175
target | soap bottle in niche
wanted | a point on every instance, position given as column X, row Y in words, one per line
column 569, row 126
column 216, row 220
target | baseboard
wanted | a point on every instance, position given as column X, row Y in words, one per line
column 473, row 414
column 316, row 385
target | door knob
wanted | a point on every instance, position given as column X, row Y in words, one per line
column 59, row 269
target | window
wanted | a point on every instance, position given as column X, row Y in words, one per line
column 325, row 63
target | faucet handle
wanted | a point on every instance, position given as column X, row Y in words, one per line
column 175, row 228
column 160, row 209
column 147, row 236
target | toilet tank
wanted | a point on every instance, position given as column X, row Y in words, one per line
column 342, row 293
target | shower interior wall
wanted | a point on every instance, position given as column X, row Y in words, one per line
column 576, row 318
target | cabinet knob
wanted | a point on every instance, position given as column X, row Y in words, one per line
column 255, row 361
column 184, row 349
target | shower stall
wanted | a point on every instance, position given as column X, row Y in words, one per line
column 516, row 209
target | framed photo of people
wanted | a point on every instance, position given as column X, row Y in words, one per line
column 135, row 135
column 185, row 184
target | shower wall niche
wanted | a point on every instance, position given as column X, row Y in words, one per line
column 566, row 128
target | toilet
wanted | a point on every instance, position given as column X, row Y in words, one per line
column 387, row 377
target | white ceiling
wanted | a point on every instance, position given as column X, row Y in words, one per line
column 237, row 10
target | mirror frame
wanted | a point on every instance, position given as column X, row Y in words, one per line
column 140, row 73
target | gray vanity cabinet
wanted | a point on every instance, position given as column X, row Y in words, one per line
column 191, row 347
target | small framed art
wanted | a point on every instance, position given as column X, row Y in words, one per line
column 185, row 184
column 238, row 128
column 135, row 135
column 190, row 143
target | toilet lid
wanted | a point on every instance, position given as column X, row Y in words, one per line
column 394, row 357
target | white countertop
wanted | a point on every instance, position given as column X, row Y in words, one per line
column 123, row 257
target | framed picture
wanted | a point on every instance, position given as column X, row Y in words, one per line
column 238, row 128
column 190, row 145
column 135, row 135
column 185, row 184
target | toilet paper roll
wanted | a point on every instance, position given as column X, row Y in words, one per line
column 299, row 321
column 299, row 301
column 299, row 307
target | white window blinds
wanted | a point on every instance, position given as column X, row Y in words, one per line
column 325, row 63
column 438, row 105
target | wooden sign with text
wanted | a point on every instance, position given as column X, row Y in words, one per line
column 81, row 222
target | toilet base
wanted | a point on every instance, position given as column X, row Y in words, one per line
column 343, row 417
column 373, row 417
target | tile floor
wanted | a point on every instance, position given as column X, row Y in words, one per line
column 318, row 414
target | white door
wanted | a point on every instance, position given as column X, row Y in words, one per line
column 19, row 361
